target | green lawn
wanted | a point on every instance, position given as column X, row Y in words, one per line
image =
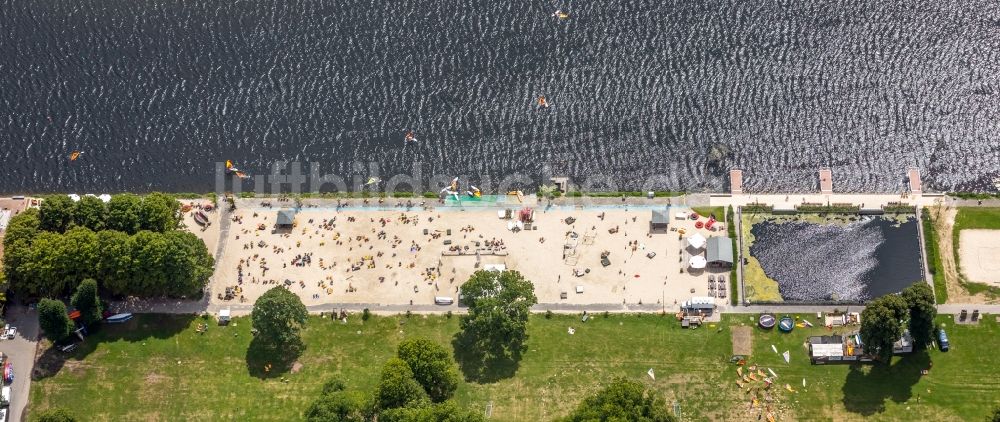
column 931, row 251
column 974, row 218
column 719, row 212
column 159, row 368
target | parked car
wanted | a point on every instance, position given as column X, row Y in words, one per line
column 5, row 393
column 8, row 332
column 943, row 343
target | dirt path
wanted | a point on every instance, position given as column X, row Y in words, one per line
column 944, row 225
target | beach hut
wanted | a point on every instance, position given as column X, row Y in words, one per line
column 696, row 241
column 286, row 219
column 659, row 221
column 720, row 252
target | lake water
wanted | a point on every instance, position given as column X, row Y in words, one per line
column 156, row 92
column 851, row 262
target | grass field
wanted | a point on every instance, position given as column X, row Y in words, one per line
column 158, row 368
column 974, row 218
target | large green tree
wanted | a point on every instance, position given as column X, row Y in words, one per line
column 55, row 263
column 90, row 212
column 495, row 327
column 124, row 212
column 432, row 367
column 87, row 301
column 159, row 212
column 21, row 232
column 115, row 265
column 922, row 311
column 53, row 320
column 278, row 316
column 56, row 213
column 336, row 404
column 448, row 411
column 622, row 400
column 881, row 326
column 187, row 262
column 397, row 388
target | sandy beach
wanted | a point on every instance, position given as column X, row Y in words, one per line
column 412, row 256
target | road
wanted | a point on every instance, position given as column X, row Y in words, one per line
column 21, row 352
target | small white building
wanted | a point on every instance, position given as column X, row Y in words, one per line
column 704, row 304
column 224, row 316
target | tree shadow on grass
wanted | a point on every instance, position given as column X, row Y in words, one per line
column 268, row 360
column 142, row 327
column 480, row 366
column 865, row 393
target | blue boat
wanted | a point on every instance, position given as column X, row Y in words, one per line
column 786, row 324
column 119, row 318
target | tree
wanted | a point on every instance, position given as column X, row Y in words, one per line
column 499, row 305
column 90, row 212
column 880, row 327
column 920, row 299
column 336, row 404
column 189, row 262
column 995, row 417
column 53, row 320
column 123, row 213
column 447, row 411
column 278, row 316
column 81, row 256
column 432, row 367
column 21, row 232
column 397, row 388
column 56, row 213
column 622, row 400
column 23, row 226
column 87, row 301
column 159, row 212
column 115, row 266
column 43, row 269
column 56, row 414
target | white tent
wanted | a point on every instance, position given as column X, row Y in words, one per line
column 697, row 241
column 495, row 267
column 697, row 262
column 104, row 198
column 74, row 197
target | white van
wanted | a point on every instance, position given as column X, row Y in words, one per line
column 443, row 300
column 5, row 393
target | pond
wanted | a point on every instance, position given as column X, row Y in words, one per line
column 850, row 261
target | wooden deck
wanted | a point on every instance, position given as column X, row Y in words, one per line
column 914, row 175
column 736, row 181
column 826, row 181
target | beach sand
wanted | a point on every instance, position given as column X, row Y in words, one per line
column 384, row 257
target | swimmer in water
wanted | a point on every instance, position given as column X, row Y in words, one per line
column 542, row 102
column 409, row 137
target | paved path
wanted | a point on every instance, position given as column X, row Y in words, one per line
column 21, row 352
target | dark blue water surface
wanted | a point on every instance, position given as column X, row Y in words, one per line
column 155, row 92
column 851, row 261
